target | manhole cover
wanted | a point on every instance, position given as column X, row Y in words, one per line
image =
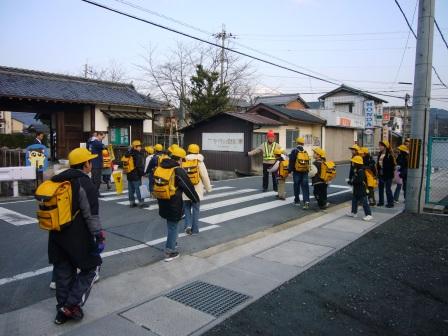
column 207, row 298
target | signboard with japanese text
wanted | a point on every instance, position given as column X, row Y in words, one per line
column 369, row 111
column 226, row 142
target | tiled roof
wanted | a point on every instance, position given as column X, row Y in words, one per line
column 283, row 99
column 126, row 115
column 255, row 119
column 315, row 105
column 297, row 115
column 22, row 83
column 353, row 91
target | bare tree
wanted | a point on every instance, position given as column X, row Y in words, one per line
column 169, row 79
column 113, row 73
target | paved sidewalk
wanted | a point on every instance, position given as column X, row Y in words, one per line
column 196, row 292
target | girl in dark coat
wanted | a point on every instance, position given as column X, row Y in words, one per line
column 359, row 189
column 402, row 165
column 385, row 166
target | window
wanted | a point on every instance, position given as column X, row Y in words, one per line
column 119, row 136
column 291, row 135
column 259, row 138
column 343, row 107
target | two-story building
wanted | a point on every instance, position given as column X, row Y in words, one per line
column 352, row 116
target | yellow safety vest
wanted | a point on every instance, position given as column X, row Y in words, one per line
column 268, row 154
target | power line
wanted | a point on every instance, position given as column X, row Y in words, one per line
column 130, row 4
column 205, row 41
column 440, row 32
column 413, row 33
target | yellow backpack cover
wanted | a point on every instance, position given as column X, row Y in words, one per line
column 192, row 169
column 55, row 205
column 328, row 171
column 164, row 186
column 283, row 169
column 128, row 164
column 302, row 164
column 372, row 182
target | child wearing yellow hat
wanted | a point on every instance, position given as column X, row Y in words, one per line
column 402, row 170
column 359, row 189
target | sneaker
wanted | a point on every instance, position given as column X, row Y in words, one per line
column 380, row 204
column 367, row 218
column 72, row 312
column 372, row 204
column 351, row 214
column 132, row 205
column 53, row 285
column 142, row 205
column 188, row 231
column 306, row 206
column 396, row 202
column 389, row 206
column 282, row 198
column 60, row 318
column 171, row 256
column 296, row 203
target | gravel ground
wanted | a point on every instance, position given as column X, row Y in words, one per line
column 392, row 281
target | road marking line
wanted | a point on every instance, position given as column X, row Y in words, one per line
column 15, row 218
column 223, row 217
column 238, row 200
column 12, row 202
column 329, row 186
column 112, row 192
column 49, row 269
column 209, row 197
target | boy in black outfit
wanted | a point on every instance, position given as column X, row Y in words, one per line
column 359, row 189
column 319, row 185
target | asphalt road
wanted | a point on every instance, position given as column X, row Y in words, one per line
column 392, row 282
column 135, row 237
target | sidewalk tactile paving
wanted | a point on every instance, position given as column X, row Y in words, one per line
column 295, row 253
column 208, row 298
column 166, row 317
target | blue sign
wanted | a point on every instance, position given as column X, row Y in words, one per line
column 37, row 156
column 369, row 110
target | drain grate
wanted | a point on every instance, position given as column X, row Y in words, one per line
column 207, row 298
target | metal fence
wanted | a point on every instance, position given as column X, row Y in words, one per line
column 12, row 157
column 437, row 171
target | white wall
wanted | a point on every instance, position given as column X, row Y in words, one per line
column 101, row 121
column 147, row 126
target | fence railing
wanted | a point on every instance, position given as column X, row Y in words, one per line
column 12, row 157
column 437, row 171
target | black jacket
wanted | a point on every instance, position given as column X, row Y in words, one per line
column 316, row 178
column 386, row 172
column 139, row 164
column 96, row 147
column 369, row 163
column 293, row 157
column 359, row 182
column 76, row 243
column 172, row 209
column 402, row 161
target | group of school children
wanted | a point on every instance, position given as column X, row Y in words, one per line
column 366, row 175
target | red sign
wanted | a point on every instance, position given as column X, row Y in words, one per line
column 345, row 122
column 386, row 116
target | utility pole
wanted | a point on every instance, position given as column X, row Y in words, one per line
column 223, row 35
column 420, row 107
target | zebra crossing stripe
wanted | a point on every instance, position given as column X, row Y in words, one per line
column 111, row 192
column 209, row 197
column 15, row 218
column 49, row 269
column 215, row 205
column 118, row 197
column 250, row 210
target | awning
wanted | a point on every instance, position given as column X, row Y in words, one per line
column 127, row 115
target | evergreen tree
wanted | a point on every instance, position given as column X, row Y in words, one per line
column 208, row 96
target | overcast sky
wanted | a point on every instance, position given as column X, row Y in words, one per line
column 358, row 42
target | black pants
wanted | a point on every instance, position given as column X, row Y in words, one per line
column 266, row 166
column 96, row 178
column 72, row 288
column 320, row 193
